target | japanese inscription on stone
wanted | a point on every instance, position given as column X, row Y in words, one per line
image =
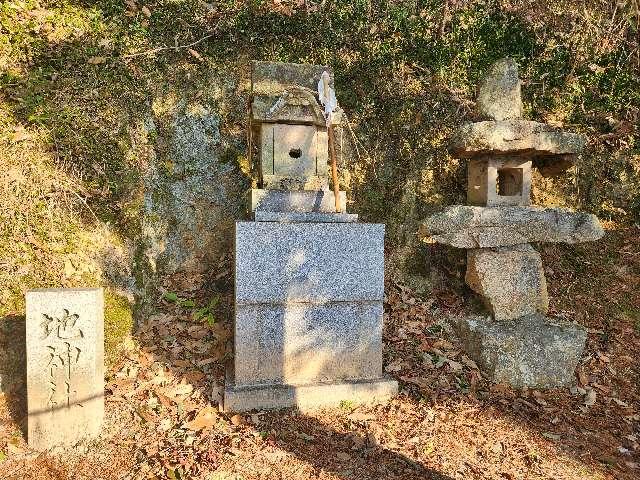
column 65, row 357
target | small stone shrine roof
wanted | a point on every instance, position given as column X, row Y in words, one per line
column 286, row 93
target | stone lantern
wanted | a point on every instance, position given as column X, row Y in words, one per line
column 309, row 280
column 517, row 343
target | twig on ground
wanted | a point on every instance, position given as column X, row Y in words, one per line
column 177, row 47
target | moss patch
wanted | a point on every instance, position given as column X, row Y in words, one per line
column 118, row 326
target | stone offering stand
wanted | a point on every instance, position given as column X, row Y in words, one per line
column 518, row 344
column 309, row 281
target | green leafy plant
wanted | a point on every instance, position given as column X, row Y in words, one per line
column 173, row 297
column 206, row 312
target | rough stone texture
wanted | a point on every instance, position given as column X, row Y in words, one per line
column 464, row 226
column 310, row 217
column 301, row 343
column 294, row 201
column 510, row 137
column 532, row 351
column 499, row 181
column 65, row 366
column 287, row 182
column 307, row 397
column 191, row 196
column 269, row 78
column 510, row 280
column 499, row 93
column 308, row 262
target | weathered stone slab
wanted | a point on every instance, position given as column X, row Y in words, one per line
column 510, row 280
column 307, row 397
column 464, row 226
column 308, row 262
column 301, row 343
column 297, row 217
column 294, row 201
column 499, row 92
column 65, row 366
column 532, row 351
column 511, row 137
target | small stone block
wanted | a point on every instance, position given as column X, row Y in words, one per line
column 307, row 397
column 307, row 343
column 499, row 182
column 532, row 351
column 308, row 262
column 295, row 201
column 499, row 93
column 510, row 279
column 288, row 182
column 310, row 217
column 65, row 366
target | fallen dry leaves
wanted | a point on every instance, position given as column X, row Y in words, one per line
column 447, row 423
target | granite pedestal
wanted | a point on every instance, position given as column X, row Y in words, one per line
column 308, row 319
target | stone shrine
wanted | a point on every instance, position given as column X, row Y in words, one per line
column 65, row 366
column 518, row 344
column 309, row 280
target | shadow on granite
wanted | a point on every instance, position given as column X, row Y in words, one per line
column 13, row 367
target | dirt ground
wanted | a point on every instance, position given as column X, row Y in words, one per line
column 448, row 421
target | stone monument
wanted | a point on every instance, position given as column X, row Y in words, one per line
column 517, row 344
column 309, row 280
column 65, row 366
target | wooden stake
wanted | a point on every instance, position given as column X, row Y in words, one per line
column 334, row 167
column 332, row 153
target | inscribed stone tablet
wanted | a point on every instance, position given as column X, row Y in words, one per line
column 65, row 365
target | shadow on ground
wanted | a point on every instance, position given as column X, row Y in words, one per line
column 13, row 368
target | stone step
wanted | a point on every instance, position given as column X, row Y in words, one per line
column 307, row 397
column 310, row 217
column 267, row 200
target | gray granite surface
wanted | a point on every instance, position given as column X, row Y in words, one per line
column 465, row 226
column 65, row 366
column 307, row 397
column 311, row 217
column 532, row 351
column 294, row 201
column 308, row 262
column 510, row 280
column 307, row 343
